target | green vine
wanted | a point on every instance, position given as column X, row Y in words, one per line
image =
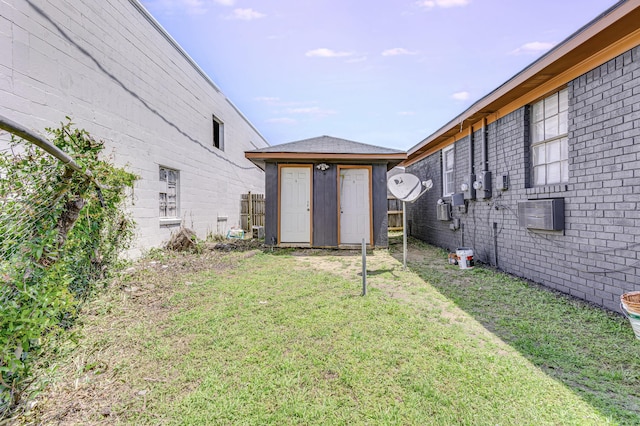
column 61, row 233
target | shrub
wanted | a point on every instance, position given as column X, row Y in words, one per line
column 61, row 232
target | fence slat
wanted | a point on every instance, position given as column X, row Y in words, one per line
column 252, row 210
column 394, row 213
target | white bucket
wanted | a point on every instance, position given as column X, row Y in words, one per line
column 465, row 257
column 634, row 319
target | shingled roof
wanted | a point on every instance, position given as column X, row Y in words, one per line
column 326, row 148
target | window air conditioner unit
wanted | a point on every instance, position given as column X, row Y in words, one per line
column 542, row 214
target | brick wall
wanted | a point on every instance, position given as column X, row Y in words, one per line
column 597, row 256
column 109, row 67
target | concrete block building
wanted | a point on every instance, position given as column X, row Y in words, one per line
column 113, row 69
column 541, row 177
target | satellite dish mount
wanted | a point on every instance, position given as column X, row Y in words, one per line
column 407, row 188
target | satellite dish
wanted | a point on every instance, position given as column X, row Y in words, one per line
column 405, row 187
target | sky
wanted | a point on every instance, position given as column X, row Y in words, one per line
column 383, row 72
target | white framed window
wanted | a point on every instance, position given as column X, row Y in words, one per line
column 218, row 133
column 549, row 139
column 448, row 162
column 169, row 193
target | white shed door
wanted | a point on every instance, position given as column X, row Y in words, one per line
column 295, row 205
column 354, row 206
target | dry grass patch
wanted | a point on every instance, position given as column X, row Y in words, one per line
column 107, row 376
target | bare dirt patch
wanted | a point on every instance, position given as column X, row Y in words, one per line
column 385, row 271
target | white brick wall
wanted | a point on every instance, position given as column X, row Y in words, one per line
column 107, row 66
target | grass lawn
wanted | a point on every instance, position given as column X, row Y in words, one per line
column 286, row 338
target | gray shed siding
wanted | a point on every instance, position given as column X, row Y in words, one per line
column 325, row 205
column 271, row 204
column 596, row 257
column 380, row 216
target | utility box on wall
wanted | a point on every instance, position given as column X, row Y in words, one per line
column 443, row 211
column 484, row 187
column 542, row 214
column 468, row 189
column 457, row 199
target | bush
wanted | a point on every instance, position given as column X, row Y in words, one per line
column 60, row 233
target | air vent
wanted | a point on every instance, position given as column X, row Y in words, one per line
column 542, row 214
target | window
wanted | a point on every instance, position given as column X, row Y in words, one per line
column 448, row 160
column 549, row 139
column 168, row 193
column 218, row 133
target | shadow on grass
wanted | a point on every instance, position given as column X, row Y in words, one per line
column 590, row 350
column 375, row 272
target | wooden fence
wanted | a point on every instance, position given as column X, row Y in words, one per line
column 251, row 211
column 252, row 206
column 394, row 212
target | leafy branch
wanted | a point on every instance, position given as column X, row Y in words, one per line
column 60, row 234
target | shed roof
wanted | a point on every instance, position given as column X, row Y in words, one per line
column 326, row 148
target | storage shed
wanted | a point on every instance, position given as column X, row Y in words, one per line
column 325, row 192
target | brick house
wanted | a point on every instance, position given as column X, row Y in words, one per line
column 541, row 177
column 118, row 74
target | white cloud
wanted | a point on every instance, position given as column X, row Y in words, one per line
column 534, row 47
column 267, row 99
column 246, row 14
column 313, row 111
column 285, row 108
column 194, row 7
column 188, row 7
column 281, row 120
column 323, row 52
column 396, row 51
column 461, row 96
column 445, row 4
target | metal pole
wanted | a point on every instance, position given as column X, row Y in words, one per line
column 404, row 234
column 24, row 133
column 364, row 268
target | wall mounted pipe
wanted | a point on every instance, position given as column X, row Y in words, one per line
column 467, row 188
column 485, row 147
column 471, row 150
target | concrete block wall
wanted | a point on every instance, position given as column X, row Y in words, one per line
column 597, row 256
column 111, row 68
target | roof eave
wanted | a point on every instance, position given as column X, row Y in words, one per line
column 614, row 24
column 260, row 158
